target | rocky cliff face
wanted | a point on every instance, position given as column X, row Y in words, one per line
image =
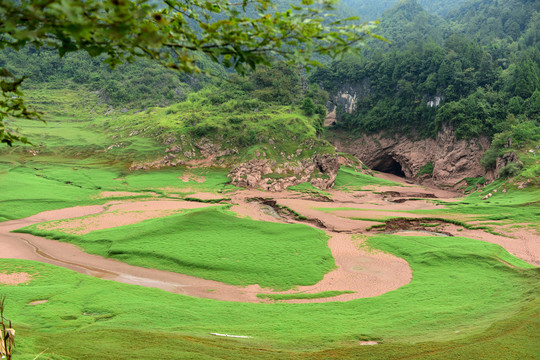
column 452, row 160
column 320, row 171
column 346, row 97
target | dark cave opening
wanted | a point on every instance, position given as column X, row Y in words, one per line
column 387, row 164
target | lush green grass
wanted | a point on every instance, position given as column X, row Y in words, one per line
column 213, row 244
column 464, row 300
column 27, row 190
column 65, row 103
column 473, row 183
column 531, row 164
column 80, row 139
column 426, row 169
column 37, row 185
column 319, row 295
column 71, row 131
column 349, row 179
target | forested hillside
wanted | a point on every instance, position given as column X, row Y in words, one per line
column 374, row 9
column 476, row 71
column 408, row 22
column 139, row 84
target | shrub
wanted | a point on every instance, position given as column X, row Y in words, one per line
column 426, row 169
column 511, row 170
column 308, row 107
column 203, row 130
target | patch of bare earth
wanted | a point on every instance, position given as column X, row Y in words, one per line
column 15, row 278
column 368, row 343
column 190, row 177
column 205, row 196
column 120, row 214
column 117, row 194
column 37, row 302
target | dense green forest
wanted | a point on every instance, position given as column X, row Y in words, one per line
column 372, row 10
column 449, row 72
column 141, row 83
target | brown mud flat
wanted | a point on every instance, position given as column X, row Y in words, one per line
column 367, row 273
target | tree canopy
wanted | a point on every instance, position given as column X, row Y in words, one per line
column 175, row 33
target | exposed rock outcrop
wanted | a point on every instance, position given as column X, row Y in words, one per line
column 320, row 171
column 347, row 96
column 452, row 159
column 504, row 160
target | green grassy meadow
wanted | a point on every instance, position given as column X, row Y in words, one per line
column 466, row 298
column 38, row 184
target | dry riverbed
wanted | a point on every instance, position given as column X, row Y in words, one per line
column 361, row 271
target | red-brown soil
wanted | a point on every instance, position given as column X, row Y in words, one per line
column 15, row 278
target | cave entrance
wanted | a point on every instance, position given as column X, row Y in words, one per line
column 387, row 164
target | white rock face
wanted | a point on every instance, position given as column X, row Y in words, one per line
column 435, row 102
